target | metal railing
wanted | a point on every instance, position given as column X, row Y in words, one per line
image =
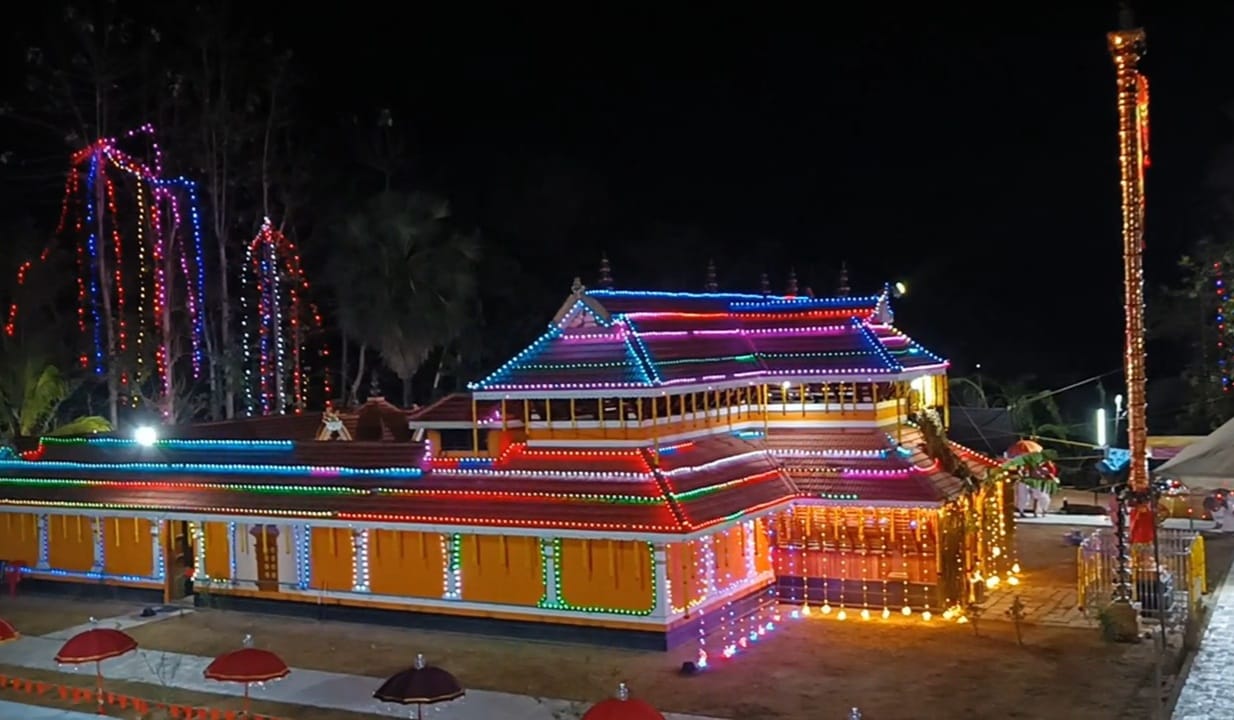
column 1169, row 591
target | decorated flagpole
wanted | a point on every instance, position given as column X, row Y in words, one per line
column 1127, row 46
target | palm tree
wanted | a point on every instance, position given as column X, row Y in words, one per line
column 407, row 285
column 32, row 395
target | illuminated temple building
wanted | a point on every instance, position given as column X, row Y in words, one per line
column 656, row 465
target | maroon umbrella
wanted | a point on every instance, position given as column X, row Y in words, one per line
column 622, row 707
column 96, row 646
column 7, row 632
column 248, row 666
column 420, row 685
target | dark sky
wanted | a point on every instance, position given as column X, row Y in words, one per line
column 970, row 154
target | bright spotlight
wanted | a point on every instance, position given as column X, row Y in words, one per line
column 900, row 289
column 146, row 436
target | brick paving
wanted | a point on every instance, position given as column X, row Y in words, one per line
column 1044, row 605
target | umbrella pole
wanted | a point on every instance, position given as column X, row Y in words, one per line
column 246, row 700
column 98, row 685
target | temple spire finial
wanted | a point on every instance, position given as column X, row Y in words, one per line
column 764, row 284
column 374, row 387
column 711, row 284
column 577, row 288
column 1126, row 17
column 843, row 289
column 791, row 289
column 606, row 272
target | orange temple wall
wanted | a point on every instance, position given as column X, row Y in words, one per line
column 332, row 559
column 19, row 538
column 615, row 574
column 127, row 547
column 70, row 541
column 409, row 564
column 502, row 569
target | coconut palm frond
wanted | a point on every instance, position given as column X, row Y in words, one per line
column 44, row 391
column 87, row 425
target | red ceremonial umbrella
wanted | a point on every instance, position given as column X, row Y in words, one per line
column 247, row 665
column 420, row 685
column 622, row 707
column 1024, row 447
column 7, row 632
column 96, row 646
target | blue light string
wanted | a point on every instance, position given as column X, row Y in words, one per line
column 92, row 246
column 217, row 469
column 171, row 444
column 877, row 346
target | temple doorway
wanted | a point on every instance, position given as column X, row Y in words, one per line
column 266, row 547
column 181, row 559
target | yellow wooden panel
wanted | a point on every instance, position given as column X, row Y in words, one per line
column 218, row 550
column 501, row 569
column 684, row 575
column 19, row 538
column 405, row 563
column 609, row 574
column 127, row 547
column 762, row 550
column 331, row 559
column 70, row 541
column 729, row 548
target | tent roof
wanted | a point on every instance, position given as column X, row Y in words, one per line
column 1210, row 458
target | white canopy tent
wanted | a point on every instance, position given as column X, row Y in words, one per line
column 1204, row 465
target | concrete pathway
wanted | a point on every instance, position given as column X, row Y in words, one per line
column 303, row 687
column 1104, row 521
column 17, row 711
column 1206, row 689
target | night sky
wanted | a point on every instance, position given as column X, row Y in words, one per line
column 970, row 154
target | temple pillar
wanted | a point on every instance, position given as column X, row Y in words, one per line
column 158, row 556
column 233, row 531
column 660, row 567
column 359, row 561
column 301, row 536
column 552, row 584
column 452, row 561
column 96, row 537
column 44, row 543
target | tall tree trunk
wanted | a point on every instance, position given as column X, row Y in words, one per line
column 439, row 374
column 344, row 363
column 105, row 287
column 354, row 399
column 169, row 364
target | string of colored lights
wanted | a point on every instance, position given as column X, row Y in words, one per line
column 274, row 377
column 1223, row 352
column 91, row 214
column 878, row 339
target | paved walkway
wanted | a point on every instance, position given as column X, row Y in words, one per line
column 1206, row 689
column 17, row 711
column 303, row 687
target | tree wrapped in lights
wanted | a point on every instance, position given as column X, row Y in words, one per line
column 136, row 239
column 277, row 320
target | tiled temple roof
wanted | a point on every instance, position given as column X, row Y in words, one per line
column 608, row 339
column 693, row 485
column 862, row 466
column 698, row 484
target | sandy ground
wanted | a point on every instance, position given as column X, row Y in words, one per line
column 817, row 668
